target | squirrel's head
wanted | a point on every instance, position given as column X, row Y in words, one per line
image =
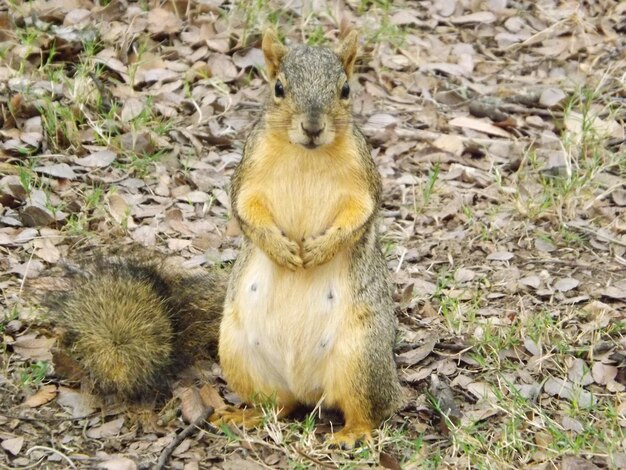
column 310, row 100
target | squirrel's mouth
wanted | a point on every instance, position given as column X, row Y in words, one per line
column 310, row 145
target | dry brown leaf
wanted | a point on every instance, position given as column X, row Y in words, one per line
column 211, row 397
column 387, row 461
column 484, row 17
column 449, row 143
column 236, row 462
column 566, row 284
column 223, row 67
column 579, row 372
column 118, row 463
column 445, row 8
column 31, row 347
column 578, row 125
column 120, row 210
column 619, row 197
column 28, row 269
column 99, row 159
column 571, row 424
column 381, row 120
column 145, row 235
column 79, row 404
column 416, row 355
column 482, row 391
column 598, row 309
column 446, row 404
column 564, row 389
column 233, row 229
column 543, row 245
column 13, row 445
column 531, row 281
column 249, row 58
column 196, row 197
column 479, row 125
column 57, row 170
column 577, row 463
column 162, row 21
column 614, row 292
column 36, row 216
column 106, row 430
column 532, row 347
column 139, row 143
column 46, row 250
column 500, row 256
column 108, row 59
column 177, row 244
column 159, row 75
column 464, row 275
column 191, row 404
column 551, row 97
column 424, row 287
column 44, row 395
column 182, row 447
column 132, row 108
column 603, row 373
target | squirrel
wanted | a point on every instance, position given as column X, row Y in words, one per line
column 307, row 314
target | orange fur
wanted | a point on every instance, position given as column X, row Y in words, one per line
column 305, row 192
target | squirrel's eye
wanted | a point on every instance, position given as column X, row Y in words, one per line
column 279, row 91
column 345, row 91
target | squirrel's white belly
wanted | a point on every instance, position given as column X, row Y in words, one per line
column 290, row 322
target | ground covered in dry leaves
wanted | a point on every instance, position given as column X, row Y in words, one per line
column 498, row 127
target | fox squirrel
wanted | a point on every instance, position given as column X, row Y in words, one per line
column 307, row 313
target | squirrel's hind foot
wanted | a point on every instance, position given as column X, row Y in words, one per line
column 246, row 418
column 350, row 437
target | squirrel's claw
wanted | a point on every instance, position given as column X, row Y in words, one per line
column 348, row 438
column 290, row 255
column 284, row 252
column 318, row 250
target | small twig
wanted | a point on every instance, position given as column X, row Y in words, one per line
column 429, row 136
column 190, row 429
column 32, row 465
column 38, row 420
column 55, row 451
column 317, row 462
column 514, row 108
column 26, row 272
column 603, row 195
column 404, row 252
column 596, row 233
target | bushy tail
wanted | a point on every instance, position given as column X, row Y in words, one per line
column 131, row 322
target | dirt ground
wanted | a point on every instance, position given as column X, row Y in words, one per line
column 498, row 128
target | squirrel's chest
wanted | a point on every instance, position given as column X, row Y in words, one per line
column 291, row 322
column 303, row 194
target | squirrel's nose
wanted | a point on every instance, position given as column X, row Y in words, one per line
column 313, row 131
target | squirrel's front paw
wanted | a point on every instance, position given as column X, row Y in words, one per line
column 319, row 250
column 285, row 252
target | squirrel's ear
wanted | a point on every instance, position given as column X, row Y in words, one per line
column 274, row 51
column 347, row 50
